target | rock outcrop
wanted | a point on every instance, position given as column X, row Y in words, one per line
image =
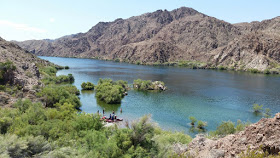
column 264, row 135
column 170, row 36
column 26, row 74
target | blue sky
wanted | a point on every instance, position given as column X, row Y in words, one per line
column 40, row 19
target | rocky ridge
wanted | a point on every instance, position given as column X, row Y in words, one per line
column 264, row 135
column 25, row 76
column 170, row 36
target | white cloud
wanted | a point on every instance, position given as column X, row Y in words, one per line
column 52, row 20
column 23, row 27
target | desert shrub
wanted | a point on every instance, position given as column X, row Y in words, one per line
column 142, row 132
column 59, row 79
column 71, row 89
column 222, row 68
column 228, row 127
column 225, row 128
column 122, row 83
column 6, row 69
column 253, row 70
column 87, row 86
column 2, row 87
column 257, row 108
column 148, row 85
column 267, row 113
column 266, row 71
column 22, row 105
column 193, row 120
column 59, row 94
column 142, row 84
column 201, row 124
column 48, row 71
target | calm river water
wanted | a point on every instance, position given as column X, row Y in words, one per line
column 208, row 95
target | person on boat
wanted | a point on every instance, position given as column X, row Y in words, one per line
column 113, row 112
column 110, row 117
column 103, row 111
column 121, row 110
column 113, row 117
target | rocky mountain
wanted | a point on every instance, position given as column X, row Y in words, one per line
column 263, row 135
column 171, row 36
column 21, row 72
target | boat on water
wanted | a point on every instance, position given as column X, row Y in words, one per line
column 104, row 118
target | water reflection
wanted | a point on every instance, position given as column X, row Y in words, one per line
column 108, row 107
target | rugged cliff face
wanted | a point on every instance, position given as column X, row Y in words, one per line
column 22, row 75
column 168, row 36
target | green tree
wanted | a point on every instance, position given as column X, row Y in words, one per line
column 87, row 86
column 201, row 125
column 109, row 92
column 257, row 108
column 193, row 120
column 225, row 128
column 267, row 113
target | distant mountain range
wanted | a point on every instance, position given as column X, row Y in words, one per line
column 163, row 36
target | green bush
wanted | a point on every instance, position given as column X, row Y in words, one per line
column 253, row 70
column 267, row 113
column 48, row 71
column 142, row 84
column 225, row 128
column 266, row 71
column 193, row 120
column 201, row 124
column 257, row 108
column 87, row 86
column 228, row 127
column 110, row 92
column 222, row 68
column 59, row 94
column 6, row 68
column 2, row 87
column 148, row 85
column 59, row 79
column 66, row 67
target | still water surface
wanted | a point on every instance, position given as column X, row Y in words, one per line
column 208, row 95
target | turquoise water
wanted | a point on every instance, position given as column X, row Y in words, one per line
column 208, row 95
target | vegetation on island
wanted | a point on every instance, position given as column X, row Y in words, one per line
column 193, row 120
column 148, row 85
column 258, row 110
column 109, row 91
column 200, row 127
column 87, row 86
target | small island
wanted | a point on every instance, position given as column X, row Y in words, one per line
column 149, row 85
column 111, row 92
column 87, row 86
